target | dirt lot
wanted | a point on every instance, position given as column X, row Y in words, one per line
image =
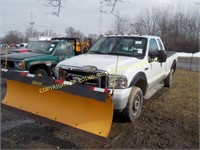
column 169, row 120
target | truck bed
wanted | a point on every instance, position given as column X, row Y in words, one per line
column 170, row 53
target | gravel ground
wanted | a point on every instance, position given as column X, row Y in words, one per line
column 169, row 120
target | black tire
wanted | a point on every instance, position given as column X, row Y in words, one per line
column 134, row 105
column 41, row 72
column 169, row 80
column 3, row 89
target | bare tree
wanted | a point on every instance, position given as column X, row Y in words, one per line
column 13, row 37
column 36, row 33
column 93, row 38
column 147, row 21
column 164, row 25
column 109, row 32
column 29, row 32
column 57, row 4
column 112, row 4
column 137, row 26
column 71, row 32
column 121, row 24
column 179, row 28
column 48, row 32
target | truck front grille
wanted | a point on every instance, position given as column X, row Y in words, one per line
column 97, row 79
column 10, row 64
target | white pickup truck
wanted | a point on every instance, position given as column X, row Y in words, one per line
column 136, row 66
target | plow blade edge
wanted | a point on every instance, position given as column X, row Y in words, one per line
column 74, row 108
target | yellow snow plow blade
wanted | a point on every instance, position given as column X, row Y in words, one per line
column 88, row 111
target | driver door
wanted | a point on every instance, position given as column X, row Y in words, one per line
column 156, row 69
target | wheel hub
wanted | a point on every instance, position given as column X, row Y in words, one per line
column 136, row 105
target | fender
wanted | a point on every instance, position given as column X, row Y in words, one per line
column 140, row 77
column 49, row 64
column 173, row 65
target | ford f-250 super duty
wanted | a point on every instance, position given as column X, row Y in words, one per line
column 135, row 66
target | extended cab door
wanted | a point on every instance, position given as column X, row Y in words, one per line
column 156, row 71
column 64, row 50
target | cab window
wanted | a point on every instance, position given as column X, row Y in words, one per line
column 64, row 48
column 153, row 47
column 160, row 44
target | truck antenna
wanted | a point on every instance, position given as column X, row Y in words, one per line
column 115, row 75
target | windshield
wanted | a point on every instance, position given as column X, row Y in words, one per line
column 128, row 46
column 46, row 47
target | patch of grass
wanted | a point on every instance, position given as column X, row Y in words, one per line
column 183, row 97
column 181, row 103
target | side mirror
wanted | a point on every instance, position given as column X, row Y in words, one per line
column 162, row 56
column 153, row 54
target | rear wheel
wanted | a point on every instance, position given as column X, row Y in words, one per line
column 41, row 73
column 170, row 79
column 134, row 105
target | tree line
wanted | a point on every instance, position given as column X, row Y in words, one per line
column 15, row 36
column 178, row 28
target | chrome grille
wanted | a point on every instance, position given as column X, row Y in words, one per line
column 79, row 76
column 10, row 64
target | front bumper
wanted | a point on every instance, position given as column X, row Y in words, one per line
column 15, row 70
column 120, row 98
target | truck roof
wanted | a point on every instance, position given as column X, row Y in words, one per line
column 132, row 35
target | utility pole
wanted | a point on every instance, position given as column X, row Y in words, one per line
column 32, row 23
column 100, row 20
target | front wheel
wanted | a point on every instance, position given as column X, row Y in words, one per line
column 41, row 73
column 134, row 105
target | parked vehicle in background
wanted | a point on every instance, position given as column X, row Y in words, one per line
column 22, row 45
column 81, row 45
column 13, row 45
column 41, row 56
column 2, row 45
column 40, row 38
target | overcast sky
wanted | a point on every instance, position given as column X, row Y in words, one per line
column 83, row 15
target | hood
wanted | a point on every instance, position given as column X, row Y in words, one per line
column 102, row 62
column 21, row 56
column 19, row 50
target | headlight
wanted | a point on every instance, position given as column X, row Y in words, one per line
column 62, row 73
column 19, row 64
column 56, row 72
column 120, row 82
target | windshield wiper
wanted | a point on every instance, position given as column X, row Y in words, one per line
column 37, row 50
column 97, row 52
column 117, row 53
column 29, row 50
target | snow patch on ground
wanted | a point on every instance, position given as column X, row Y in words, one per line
column 182, row 54
column 197, row 54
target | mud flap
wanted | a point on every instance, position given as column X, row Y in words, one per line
column 76, row 108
